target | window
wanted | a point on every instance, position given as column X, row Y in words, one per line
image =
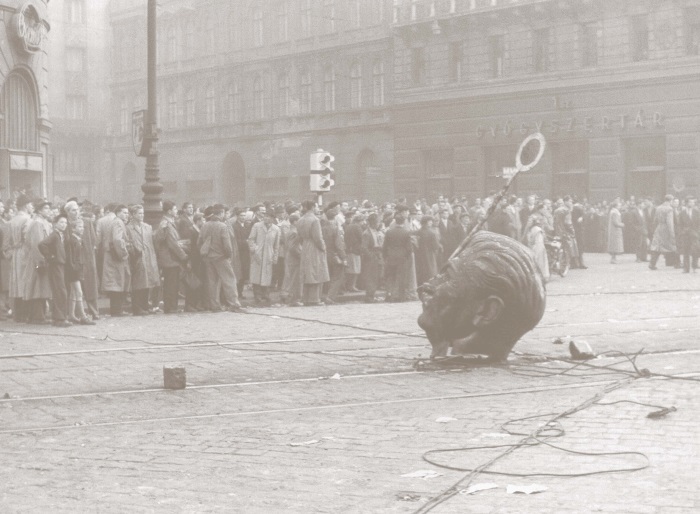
column 540, row 50
column 171, row 44
column 305, row 92
column 257, row 27
column 75, row 107
column 188, row 41
column 439, row 169
column 588, row 44
column 328, row 16
column 453, row 6
column 496, row 55
column 305, row 17
column 431, row 9
column 396, row 12
column 639, row 38
column 258, row 99
column 234, row 102
column 355, row 13
column 189, row 108
column 232, row 33
column 417, row 66
column 329, row 89
column 645, row 164
column 208, row 34
column 455, row 61
column 210, row 105
column 123, row 116
column 414, row 10
column 378, row 11
column 378, row 84
column 172, row 109
column 284, row 98
column 355, row 86
column 76, row 11
column 75, row 59
column 283, row 22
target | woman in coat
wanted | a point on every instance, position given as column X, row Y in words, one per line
column 314, row 267
column 615, row 235
column 264, row 244
column 428, row 251
column 116, row 276
column 142, row 261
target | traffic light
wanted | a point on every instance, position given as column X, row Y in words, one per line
column 320, row 179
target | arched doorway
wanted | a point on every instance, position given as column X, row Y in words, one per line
column 233, row 180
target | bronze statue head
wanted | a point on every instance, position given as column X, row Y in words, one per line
column 484, row 300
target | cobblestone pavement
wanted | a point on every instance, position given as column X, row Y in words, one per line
column 322, row 409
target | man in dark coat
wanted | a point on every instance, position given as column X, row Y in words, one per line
column 578, row 213
column 334, row 238
column 170, row 257
column 397, row 252
column 428, row 251
column 638, row 231
column 241, row 231
column 689, row 228
column 54, row 251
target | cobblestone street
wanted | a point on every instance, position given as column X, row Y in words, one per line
column 322, row 409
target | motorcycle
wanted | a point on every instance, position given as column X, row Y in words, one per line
column 559, row 255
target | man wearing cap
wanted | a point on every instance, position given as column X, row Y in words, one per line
column 689, row 227
column 37, row 287
column 15, row 250
column 116, row 274
column 171, row 256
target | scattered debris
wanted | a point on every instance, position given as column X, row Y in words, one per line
column 408, row 497
column 661, row 413
column 525, row 489
column 495, row 434
column 581, row 350
column 305, row 443
column 562, row 340
column 6, row 396
column 445, row 419
column 423, row 473
column 336, row 376
column 174, row 378
column 479, row 487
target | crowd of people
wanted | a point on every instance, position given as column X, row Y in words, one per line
column 58, row 259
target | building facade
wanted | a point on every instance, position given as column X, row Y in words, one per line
column 24, row 125
column 79, row 65
column 247, row 90
column 613, row 86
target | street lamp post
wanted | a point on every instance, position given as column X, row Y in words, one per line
column 152, row 188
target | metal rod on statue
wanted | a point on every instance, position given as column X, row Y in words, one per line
column 320, row 199
column 519, row 166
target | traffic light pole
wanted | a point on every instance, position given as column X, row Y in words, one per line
column 152, row 188
column 319, row 200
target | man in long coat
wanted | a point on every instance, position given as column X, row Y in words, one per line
column 264, row 244
column 397, row 252
column 37, row 286
column 116, row 276
column 103, row 226
column 241, row 230
column 292, row 288
column 334, row 238
column 314, row 268
column 15, row 250
column 638, row 231
column 664, row 235
column 428, row 251
column 142, row 261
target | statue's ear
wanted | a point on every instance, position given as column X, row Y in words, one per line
column 488, row 312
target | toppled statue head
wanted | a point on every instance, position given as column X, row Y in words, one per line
column 484, row 300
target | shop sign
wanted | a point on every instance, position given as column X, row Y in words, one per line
column 29, row 28
column 572, row 124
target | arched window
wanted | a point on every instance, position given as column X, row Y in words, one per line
column 305, row 92
column 210, row 105
column 172, row 109
column 19, row 106
column 378, row 84
column 283, row 21
column 234, row 102
column 76, row 12
column 305, row 17
column 355, row 85
column 258, row 98
column 283, row 87
column 171, row 44
column 189, row 108
column 329, row 89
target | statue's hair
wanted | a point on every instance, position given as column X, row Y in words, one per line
column 493, row 264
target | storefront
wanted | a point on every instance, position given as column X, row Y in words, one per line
column 630, row 139
column 24, row 125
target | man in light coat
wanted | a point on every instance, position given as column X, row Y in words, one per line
column 143, row 263
column 37, row 286
column 102, row 237
column 664, row 234
column 314, row 267
column 264, row 244
column 116, row 275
